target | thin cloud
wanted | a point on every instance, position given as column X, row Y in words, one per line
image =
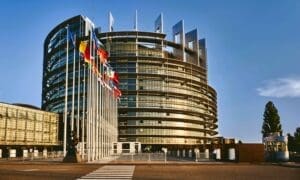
column 279, row 88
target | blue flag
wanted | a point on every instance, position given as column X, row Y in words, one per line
column 70, row 36
column 96, row 40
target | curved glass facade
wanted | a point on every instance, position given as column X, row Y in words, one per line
column 91, row 109
column 166, row 99
column 53, row 92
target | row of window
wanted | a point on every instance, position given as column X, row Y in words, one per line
column 169, row 105
column 14, row 136
column 163, row 114
column 160, row 123
column 166, row 140
column 13, row 114
column 167, row 89
column 60, row 37
column 161, row 132
column 27, row 124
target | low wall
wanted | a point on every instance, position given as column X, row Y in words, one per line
column 250, row 153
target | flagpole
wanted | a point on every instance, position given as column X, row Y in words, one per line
column 97, row 116
column 110, row 124
column 78, row 98
column 73, row 91
column 109, row 21
column 101, row 117
column 116, row 120
column 93, row 105
column 100, row 110
column 105, row 119
column 107, row 115
column 97, row 108
column 83, row 136
column 66, row 95
column 88, row 114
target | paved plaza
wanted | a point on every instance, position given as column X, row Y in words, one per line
column 144, row 171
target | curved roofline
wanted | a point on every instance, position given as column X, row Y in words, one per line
column 26, row 105
column 62, row 24
column 22, row 105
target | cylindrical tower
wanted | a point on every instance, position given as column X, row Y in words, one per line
column 54, row 66
column 166, row 99
column 72, row 81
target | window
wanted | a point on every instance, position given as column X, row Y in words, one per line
column 131, row 70
column 131, row 87
column 131, row 81
column 131, row 104
column 131, row 113
column 125, row 147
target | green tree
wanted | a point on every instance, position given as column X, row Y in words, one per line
column 291, row 143
column 271, row 121
column 297, row 140
column 294, row 141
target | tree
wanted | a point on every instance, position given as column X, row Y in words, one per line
column 297, row 133
column 297, row 139
column 291, row 143
column 294, row 141
column 271, row 121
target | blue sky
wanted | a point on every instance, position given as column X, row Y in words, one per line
column 252, row 45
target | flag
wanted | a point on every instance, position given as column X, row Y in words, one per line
column 105, row 80
column 111, row 22
column 103, row 54
column 115, row 78
column 117, row 93
column 84, row 49
column 95, row 69
column 100, row 79
column 70, row 36
column 96, row 40
column 110, row 73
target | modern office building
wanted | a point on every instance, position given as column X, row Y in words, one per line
column 167, row 101
column 24, row 127
column 91, row 110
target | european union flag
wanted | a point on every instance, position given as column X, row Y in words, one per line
column 96, row 40
column 70, row 36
